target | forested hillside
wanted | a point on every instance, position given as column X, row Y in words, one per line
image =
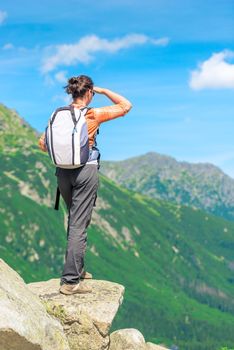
column 176, row 262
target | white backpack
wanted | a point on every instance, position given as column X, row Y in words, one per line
column 67, row 137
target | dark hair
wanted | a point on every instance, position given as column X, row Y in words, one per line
column 77, row 86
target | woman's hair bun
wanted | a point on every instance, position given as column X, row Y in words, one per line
column 73, row 80
column 77, row 86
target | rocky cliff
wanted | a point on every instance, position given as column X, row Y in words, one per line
column 37, row 317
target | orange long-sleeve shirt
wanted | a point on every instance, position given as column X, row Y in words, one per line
column 96, row 116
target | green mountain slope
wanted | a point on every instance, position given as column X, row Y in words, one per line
column 201, row 185
column 175, row 262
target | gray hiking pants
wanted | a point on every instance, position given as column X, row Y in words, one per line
column 78, row 188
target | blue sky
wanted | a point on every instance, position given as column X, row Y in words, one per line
column 174, row 60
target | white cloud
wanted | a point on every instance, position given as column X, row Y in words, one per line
column 62, row 98
column 161, row 41
column 49, row 81
column 3, row 16
column 8, row 46
column 61, row 77
column 83, row 51
column 214, row 73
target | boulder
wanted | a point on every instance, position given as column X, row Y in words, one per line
column 24, row 322
column 127, row 339
column 86, row 318
column 131, row 339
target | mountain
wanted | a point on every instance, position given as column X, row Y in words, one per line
column 175, row 262
column 201, row 185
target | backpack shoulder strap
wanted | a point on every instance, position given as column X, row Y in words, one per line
column 85, row 109
column 72, row 110
column 82, row 110
column 88, row 109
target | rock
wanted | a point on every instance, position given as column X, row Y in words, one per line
column 24, row 322
column 127, row 339
column 86, row 318
column 151, row 346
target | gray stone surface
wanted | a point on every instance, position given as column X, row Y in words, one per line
column 86, row 318
column 24, row 322
column 127, row 339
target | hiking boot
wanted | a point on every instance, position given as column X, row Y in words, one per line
column 86, row 275
column 69, row 289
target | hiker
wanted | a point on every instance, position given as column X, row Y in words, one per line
column 78, row 186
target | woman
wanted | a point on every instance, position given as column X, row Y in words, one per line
column 78, row 187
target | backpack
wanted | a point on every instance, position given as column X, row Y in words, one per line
column 67, row 138
column 67, row 141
